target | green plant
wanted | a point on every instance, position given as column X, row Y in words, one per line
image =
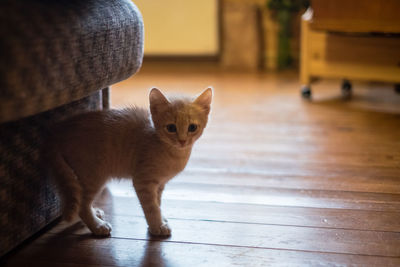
column 290, row 5
column 283, row 12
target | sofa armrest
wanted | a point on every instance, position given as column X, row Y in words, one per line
column 55, row 52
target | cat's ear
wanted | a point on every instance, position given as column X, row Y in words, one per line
column 204, row 100
column 157, row 100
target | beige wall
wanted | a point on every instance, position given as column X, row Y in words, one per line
column 180, row 27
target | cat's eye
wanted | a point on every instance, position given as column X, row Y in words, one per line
column 171, row 128
column 192, row 128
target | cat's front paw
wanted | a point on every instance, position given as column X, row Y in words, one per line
column 99, row 213
column 102, row 229
column 165, row 220
column 162, row 230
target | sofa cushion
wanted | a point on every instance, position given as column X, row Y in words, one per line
column 28, row 200
column 55, row 52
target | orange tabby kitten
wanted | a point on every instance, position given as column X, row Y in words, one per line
column 85, row 151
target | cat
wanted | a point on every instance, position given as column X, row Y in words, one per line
column 87, row 150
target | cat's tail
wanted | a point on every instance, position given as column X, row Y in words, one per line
column 67, row 183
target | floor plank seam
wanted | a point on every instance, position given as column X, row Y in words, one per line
column 304, row 207
column 286, row 188
column 268, row 224
column 253, row 247
column 282, row 206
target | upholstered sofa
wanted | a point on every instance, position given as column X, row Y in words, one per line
column 57, row 58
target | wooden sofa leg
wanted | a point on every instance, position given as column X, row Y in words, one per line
column 106, row 99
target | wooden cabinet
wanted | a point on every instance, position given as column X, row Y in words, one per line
column 356, row 15
column 350, row 40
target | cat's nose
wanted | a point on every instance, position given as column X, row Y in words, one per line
column 182, row 142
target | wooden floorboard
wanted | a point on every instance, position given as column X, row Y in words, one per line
column 332, row 199
column 70, row 250
column 372, row 243
column 274, row 181
column 263, row 214
column 217, row 176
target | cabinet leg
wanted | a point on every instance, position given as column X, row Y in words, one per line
column 346, row 88
column 306, row 91
column 397, row 88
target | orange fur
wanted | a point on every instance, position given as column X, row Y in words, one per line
column 87, row 150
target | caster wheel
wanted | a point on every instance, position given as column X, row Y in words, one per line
column 346, row 88
column 306, row 92
column 397, row 88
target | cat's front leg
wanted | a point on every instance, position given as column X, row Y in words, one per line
column 148, row 194
column 159, row 194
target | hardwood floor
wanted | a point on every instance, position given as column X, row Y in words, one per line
column 274, row 181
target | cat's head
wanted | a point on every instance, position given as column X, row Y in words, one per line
column 180, row 121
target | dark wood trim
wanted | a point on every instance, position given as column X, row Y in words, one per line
column 181, row 58
column 220, row 29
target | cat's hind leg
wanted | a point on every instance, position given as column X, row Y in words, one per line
column 99, row 213
column 66, row 180
column 93, row 217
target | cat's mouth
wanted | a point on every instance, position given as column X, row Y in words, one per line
column 182, row 145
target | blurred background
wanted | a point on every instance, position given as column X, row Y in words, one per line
column 331, row 46
column 246, row 35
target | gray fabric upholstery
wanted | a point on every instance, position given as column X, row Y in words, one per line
column 28, row 200
column 53, row 52
column 55, row 59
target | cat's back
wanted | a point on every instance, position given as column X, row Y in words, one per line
column 104, row 139
column 104, row 120
column 96, row 127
